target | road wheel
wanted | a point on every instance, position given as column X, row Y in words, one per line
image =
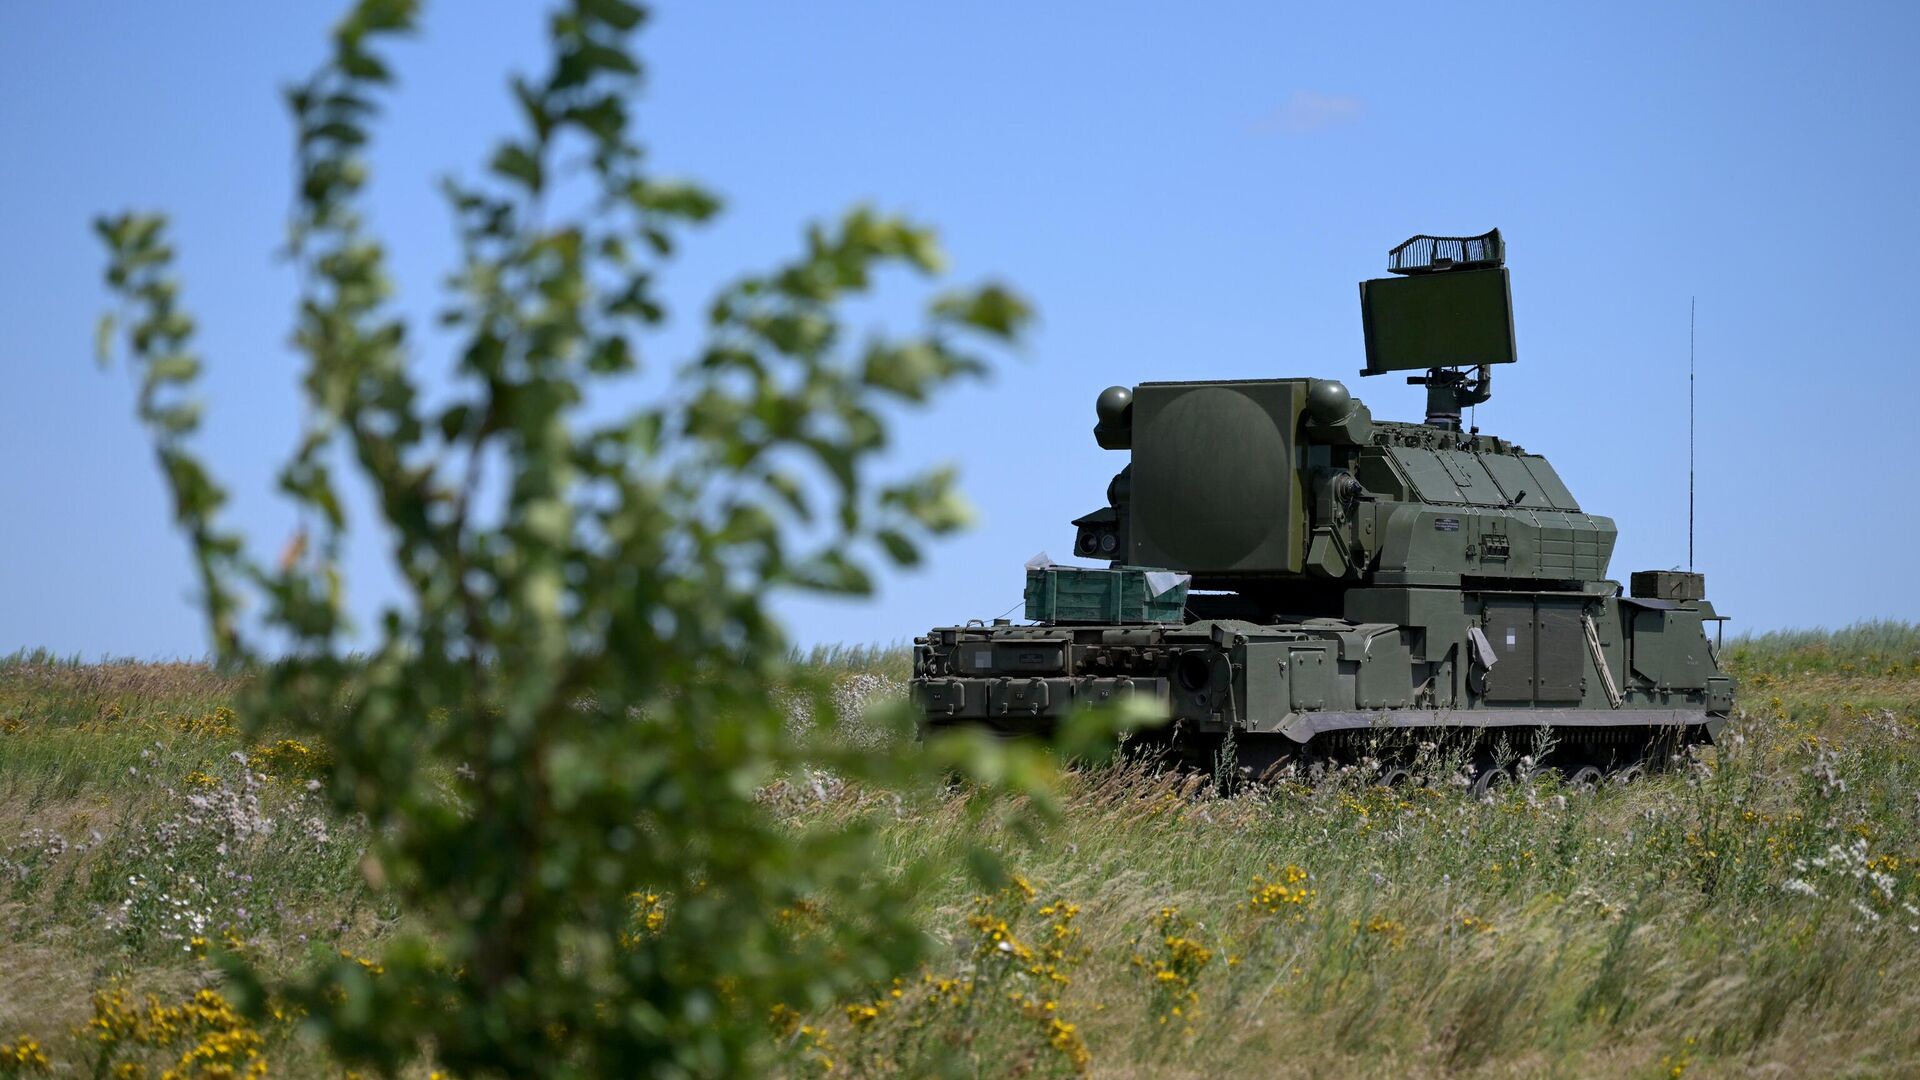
column 1628, row 774
column 1587, row 777
column 1490, row 780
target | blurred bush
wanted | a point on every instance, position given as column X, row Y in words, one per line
column 558, row 733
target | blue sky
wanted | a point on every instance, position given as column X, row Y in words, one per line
column 1187, row 195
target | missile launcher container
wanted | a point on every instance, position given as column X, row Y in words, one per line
column 1279, row 573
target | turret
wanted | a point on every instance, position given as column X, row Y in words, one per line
column 1289, row 489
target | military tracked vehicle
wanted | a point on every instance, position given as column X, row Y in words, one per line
column 1287, row 577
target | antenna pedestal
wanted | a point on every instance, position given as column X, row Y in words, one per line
column 1450, row 391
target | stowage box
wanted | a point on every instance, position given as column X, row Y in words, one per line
column 1078, row 594
column 1668, row 585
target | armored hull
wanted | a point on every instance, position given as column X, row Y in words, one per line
column 1286, row 578
column 1590, row 684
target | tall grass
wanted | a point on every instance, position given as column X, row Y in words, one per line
column 1862, row 646
column 893, row 661
column 1756, row 910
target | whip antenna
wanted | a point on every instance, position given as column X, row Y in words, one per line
column 1692, row 303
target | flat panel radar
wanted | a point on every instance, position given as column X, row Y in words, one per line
column 1448, row 306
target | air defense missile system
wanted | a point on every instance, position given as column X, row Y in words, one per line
column 1289, row 579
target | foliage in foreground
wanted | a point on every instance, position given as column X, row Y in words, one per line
column 1750, row 912
column 556, row 823
column 574, row 703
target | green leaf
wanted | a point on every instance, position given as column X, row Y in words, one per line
column 608, row 58
column 172, row 369
column 454, row 420
column 610, row 356
column 103, row 338
column 993, row 309
column 832, row 572
column 345, row 107
column 534, row 107
column 900, row 549
column 619, row 14
column 684, row 200
column 385, row 16
column 791, row 494
column 364, row 66
column 515, row 162
column 335, row 131
column 177, row 419
column 605, row 118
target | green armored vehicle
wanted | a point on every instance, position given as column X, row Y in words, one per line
column 1291, row 578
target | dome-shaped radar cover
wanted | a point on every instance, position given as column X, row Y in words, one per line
column 1213, row 476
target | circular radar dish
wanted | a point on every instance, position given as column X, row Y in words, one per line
column 1214, row 487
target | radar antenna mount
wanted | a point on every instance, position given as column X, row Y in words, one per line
column 1447, row 309
column 1450, row 391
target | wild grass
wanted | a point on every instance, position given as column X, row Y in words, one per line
column 1754, row 911
column 892, row 661
column 1862, row 647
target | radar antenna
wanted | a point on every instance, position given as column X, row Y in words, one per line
column 1448, row 311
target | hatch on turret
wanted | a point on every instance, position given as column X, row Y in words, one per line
column 1466, row 478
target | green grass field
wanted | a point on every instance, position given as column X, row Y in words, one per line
column 1754, row 911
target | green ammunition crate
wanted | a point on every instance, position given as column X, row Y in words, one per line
column 1077, row 594
column 1668, row 585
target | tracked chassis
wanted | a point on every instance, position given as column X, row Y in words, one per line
column 1330, row 689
